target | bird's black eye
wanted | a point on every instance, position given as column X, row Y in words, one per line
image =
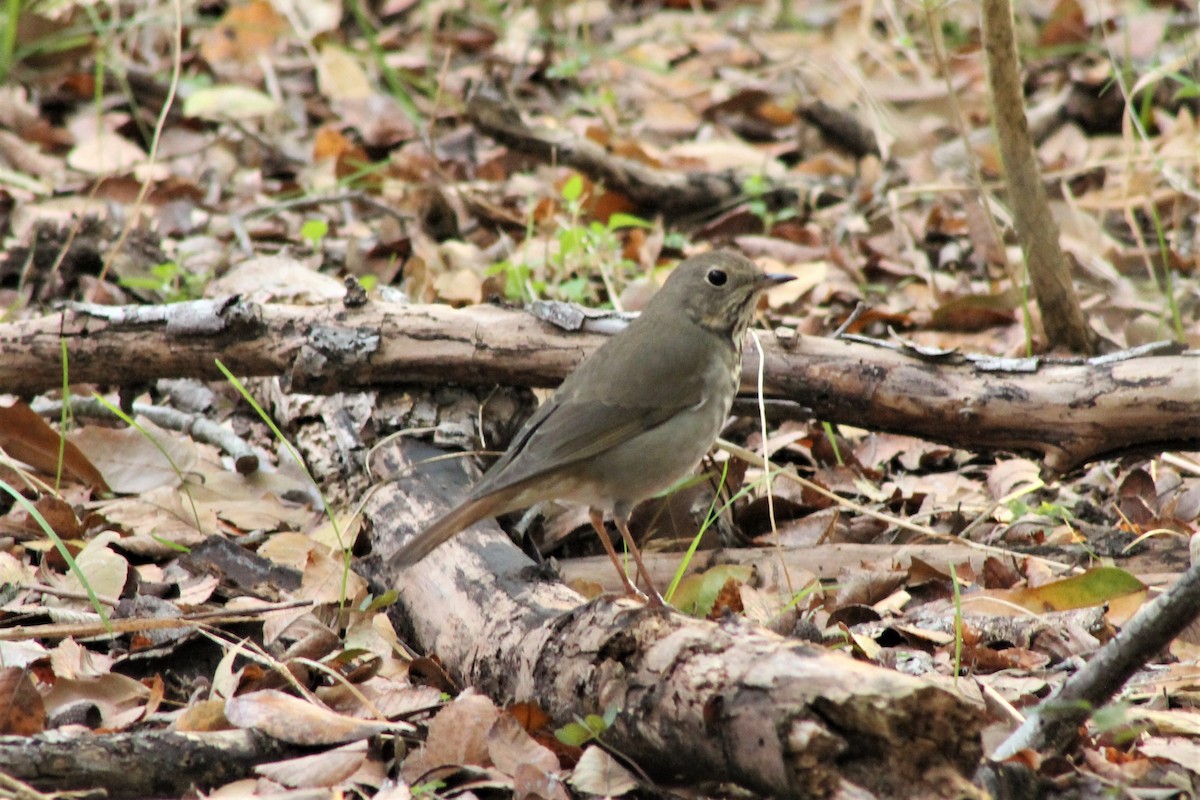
column 716, row 277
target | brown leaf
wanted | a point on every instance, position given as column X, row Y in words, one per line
column 22, row 712
column 277, row 278
column 1138, row 498
column 26, row 437
column 131, row 460
column 204, row 715
column 509, row 747
column 105, row 570
column 1067, row 25
column 59, row 514
column 999, row 574
column 729, row 600
column 243, row 34
column 531, row 782
column 458, row 735
column 867, row 586
column 119, row 699
column 975, row 312
column 1010, row 475
column 391, row 698
column 530, row 715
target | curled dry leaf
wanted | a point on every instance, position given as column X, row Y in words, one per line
column 297, row 721
column 118, row 699
column 391, row 698
column 71, row 661
column 105, row 572
column 462, row 286
column 1010, row 475
column 320, row 769
column 25, row 436
column 57, row 513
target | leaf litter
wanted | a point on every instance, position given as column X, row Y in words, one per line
column 282, row 102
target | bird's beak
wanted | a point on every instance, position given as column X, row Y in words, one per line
column 774, row 279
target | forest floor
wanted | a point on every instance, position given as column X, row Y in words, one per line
column 155, row 153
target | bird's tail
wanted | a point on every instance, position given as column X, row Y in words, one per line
column 442, row 529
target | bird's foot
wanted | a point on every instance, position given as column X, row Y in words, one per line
column 652, row 599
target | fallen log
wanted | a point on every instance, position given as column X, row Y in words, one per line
column 698, row 700
column 139, row 764
column 1068, row 412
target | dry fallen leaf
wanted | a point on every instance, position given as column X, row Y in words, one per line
column 340, row 76
column 277, row 279
column 509, row 747
column 22, row 712
column 203, row 715
column 119, row 700
column 291, row 719
column 25, row 436
column 246, row 32
column 458, row 736
column 133, row 461
column 318, row 770
column 104, row 570
column 600, row 774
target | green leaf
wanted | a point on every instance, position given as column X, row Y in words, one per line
column 622, row 220
column 573, row 734
column 314, row 230
column 572, row 190
column 1110, row 717
column 571, row 240
column 582, row 731
column 1093, row 588
column 697, row 593
column 574, row 290
column 427, row 788
column 384, row 600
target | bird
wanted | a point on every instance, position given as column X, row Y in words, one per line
column 633, row 418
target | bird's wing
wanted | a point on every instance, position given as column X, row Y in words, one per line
column 607, row 401
column 568, row 432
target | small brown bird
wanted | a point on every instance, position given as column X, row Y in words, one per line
column 635, row 417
